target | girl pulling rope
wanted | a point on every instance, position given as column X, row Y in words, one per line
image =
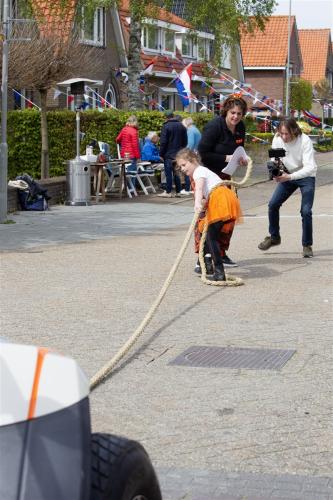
column 218, row 208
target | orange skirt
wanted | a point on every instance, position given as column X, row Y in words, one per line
column 223, row 205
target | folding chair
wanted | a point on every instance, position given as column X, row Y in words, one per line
column 143, row 175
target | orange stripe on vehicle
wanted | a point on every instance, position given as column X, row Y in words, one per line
column 34, row 392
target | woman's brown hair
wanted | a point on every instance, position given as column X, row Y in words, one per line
column 291, row 125
column 232, row 101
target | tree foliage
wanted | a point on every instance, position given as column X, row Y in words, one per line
column 301, row 94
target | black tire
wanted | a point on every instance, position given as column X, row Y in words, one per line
column 121, row 470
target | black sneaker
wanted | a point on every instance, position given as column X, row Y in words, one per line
column 227, row 262
column 219, row 274
column 208, row 264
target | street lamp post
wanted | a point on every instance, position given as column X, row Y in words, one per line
column 288, row 62
column 4, row 92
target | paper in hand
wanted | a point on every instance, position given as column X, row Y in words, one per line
column 234, row 160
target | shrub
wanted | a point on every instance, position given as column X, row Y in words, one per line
column 24, row 141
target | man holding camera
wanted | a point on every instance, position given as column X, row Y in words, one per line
column 298, row 170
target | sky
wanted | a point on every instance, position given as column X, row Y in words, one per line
column 310, row 14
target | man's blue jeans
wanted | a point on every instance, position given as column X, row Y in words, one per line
column 282, row 192
column 169, row 173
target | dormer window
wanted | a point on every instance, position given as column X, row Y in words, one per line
column 169, row 41
column 204, row 49
column 92, row 31
column 188, row 46
column 150, row 38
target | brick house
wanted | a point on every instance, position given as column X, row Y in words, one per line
column 165, row 40
column 316, row 48
column 168, row 47
column 100, row 31
column 265, row 56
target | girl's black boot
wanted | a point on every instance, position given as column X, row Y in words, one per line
column 219, row 274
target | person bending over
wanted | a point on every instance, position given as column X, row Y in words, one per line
column 218, row 206
column 300, row 163
column 220, row 137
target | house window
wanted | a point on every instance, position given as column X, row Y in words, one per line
column 167, row 101
column 204, row 49
column 188, row 46
column 93, row 98
column 92, row 31
column 226, row 57
column 169, row 41
column 110, row 96
column 150, row 38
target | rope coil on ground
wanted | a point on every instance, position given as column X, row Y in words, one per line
column 108, row 367
column 230, row 280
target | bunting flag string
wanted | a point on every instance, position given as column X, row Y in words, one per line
column 30, row 104
column 236, row 84
column 100, row 98
column 191, row 98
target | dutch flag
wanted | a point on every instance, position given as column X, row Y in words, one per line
column 183, row 84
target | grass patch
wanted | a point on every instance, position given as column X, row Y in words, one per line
column 9, row 221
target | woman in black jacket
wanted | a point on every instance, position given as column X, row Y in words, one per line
column 220, row 137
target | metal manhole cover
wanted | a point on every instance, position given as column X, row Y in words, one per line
column 234, row 357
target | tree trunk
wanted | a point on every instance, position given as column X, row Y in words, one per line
column 44, row 166
column 135, row 100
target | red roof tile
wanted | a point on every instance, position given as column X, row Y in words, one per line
column 270, row 47
column 54, row 20
column 315, row 48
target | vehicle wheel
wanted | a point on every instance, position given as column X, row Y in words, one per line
column 121, row 470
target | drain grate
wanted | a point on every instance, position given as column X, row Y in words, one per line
column 233, row 357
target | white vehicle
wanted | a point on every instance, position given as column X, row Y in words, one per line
column 47, row 449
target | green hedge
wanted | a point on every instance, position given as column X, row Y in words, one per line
column 24, row 142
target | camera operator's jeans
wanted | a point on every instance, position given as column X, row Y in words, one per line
column 282, row 192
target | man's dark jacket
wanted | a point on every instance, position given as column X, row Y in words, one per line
column 173, row 138
column 217, row 141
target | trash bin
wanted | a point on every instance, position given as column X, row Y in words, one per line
column 78, row 183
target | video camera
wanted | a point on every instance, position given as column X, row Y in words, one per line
column 276, row 167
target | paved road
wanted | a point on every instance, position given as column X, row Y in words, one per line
column 81, row 279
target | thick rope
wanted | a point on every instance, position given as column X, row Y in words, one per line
column 108, row 367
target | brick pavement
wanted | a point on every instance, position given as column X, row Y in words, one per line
column 211, row 433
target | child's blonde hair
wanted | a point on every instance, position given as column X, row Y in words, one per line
column 189, row 155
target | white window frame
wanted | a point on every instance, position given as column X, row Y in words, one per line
column 144, row 37
column 110, row 95
column 207, row 45
column 170, row 94
column 193, row 46
column 164, row 33
column 226, row 57
column 98, row 38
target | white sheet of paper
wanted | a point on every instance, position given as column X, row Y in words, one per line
column 234, row 160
